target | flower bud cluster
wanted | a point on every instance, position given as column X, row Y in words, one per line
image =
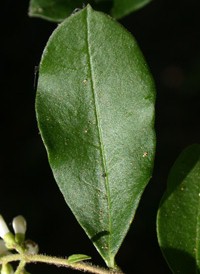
column 19, row 227
column 15, row 241
column 10, row 241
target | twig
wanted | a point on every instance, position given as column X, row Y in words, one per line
column 27, row 258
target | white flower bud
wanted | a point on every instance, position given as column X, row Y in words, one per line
column 3, row 227
column 19, row 225
column 3, row 248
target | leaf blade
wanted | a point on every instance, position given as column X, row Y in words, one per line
column 75, row 258
column 123, row 8
column 179, row 214
column 58, row 10
column 97, row 129
column 53, row 10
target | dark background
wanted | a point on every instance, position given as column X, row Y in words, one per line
column 168, row 33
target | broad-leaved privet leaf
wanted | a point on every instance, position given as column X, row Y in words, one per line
column 123, row 8
column 178, row 221
column 95, row 110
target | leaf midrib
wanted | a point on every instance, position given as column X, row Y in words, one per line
column 98, row 122
column 197, row 235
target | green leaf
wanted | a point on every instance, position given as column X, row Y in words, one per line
column 178, row 220
column 122, row 8
column 75, row 258
column 95, row 111
column 58, row 10
column 53, row 10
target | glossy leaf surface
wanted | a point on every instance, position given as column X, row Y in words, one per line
column 122, row 8
column 95, row 110
column 178, row 221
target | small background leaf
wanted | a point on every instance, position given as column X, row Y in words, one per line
column 58, row 10
column 95, row 111
column 123, row 8
column 75, row 258
column 178, row 221
column 53, row 10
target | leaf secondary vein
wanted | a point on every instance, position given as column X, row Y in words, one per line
column 98, row 125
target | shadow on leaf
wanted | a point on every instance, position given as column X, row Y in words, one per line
column 180, row 262
column 98, row 235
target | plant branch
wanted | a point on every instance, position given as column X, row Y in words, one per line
column 27, row 258
column 20, row 267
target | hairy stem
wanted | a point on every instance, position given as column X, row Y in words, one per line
column 39, row 258
column 20, row 267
